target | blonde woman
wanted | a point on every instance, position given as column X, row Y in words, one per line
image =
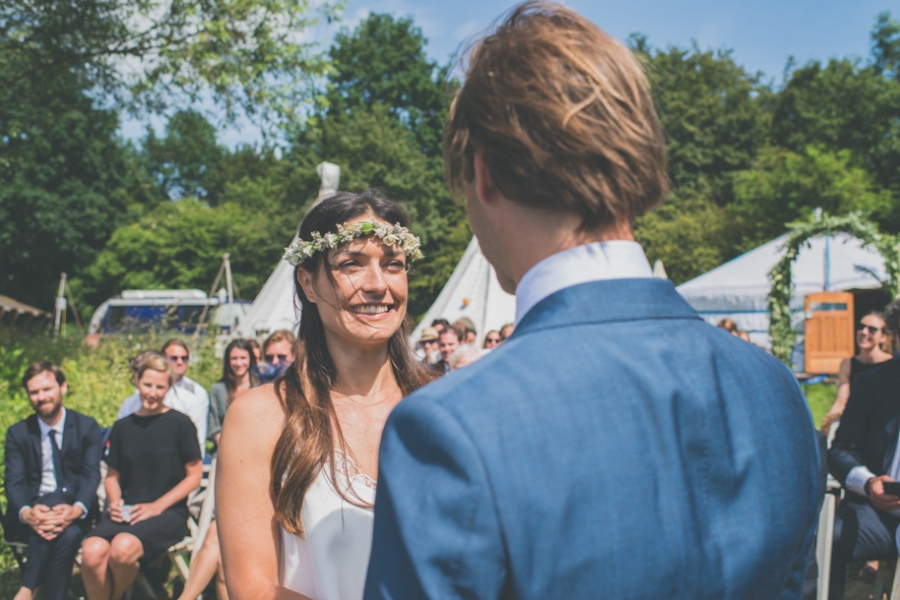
column 299, row 459
column 154, row 463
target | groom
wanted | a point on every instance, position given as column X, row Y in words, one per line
column 616, row 446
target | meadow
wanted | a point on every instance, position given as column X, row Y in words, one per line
column 99, row 379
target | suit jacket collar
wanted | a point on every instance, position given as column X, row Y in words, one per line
column 33, row 426
column 606, row 302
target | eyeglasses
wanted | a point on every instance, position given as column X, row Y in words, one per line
column 272, row 357
column 493, row 340
column 869, row 328
column 178, row 358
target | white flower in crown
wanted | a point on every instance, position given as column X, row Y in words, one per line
column 390, row 235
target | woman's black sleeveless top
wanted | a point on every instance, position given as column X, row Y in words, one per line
column 857, row 367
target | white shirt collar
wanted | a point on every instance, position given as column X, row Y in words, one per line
column 614, row 259
column 45, row 429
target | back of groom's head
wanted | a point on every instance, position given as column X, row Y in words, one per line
column 563, row 117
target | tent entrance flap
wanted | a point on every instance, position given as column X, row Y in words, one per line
column 828, row 327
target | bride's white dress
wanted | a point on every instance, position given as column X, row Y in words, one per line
column 330, row 561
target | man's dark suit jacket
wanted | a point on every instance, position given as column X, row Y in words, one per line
column 81, row 453
column 869, row 426
column 615, row 446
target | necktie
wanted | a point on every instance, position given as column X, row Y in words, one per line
column 57, row 462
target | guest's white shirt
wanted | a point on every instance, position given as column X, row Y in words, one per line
column 614, row 259
column 858, row 476
column 180, row 399
column 48, row 473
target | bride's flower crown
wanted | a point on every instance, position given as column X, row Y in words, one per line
column 390, row 235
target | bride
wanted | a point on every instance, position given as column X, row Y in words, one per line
column 298, row 460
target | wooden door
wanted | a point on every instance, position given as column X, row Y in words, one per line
column 829, row 331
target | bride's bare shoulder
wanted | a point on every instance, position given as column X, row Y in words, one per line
column 257, row 412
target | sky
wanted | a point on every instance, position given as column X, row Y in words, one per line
column 761, row 33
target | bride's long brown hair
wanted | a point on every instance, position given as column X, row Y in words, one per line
column 307, row 442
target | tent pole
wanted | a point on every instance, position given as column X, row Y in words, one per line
column 60, row 306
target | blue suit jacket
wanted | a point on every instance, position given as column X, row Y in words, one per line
column 616, row 446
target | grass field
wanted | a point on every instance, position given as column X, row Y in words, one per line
column 99, row 379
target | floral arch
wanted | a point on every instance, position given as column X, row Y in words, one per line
column 779, row 299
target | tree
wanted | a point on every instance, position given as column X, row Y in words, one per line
column 688, row 233
column 187, row 160
column 180, row 245
column 886, row 46
column 241, row 53
column 383, row 62
column 843, row 106
column 712, row 112
column 785, row 186
column 66, row 183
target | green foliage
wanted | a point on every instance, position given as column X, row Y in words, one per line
column 688, row 233
column 711, row 111
column 66, row 183
column 843, row 106
column 240, row 53
column 886, row 46
column 383, row 62
column 180, row 245
column 785, row 186
column 186, row 161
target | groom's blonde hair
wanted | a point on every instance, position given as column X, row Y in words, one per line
column 563, row 116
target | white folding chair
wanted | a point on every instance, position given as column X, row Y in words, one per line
column 825, row 536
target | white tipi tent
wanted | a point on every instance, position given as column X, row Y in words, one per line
column 474, row 292
column 738, row 289
column 276, row 307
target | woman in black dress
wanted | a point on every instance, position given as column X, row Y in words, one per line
column 154, row 463
column 870, row 337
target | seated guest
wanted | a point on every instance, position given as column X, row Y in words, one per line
column 236, row 379
column 728, row 325
column 178, row 353
column 52, row 473
column 464, row 355
column 257, row 349
column 449, row 341
column 870, row 337
column 467, row 328
column 154, row 463
column 506, row 331
column 278, row 355
column 491, row 340
column 440, row 324
column 863, row 456
column 428, row 345
column 179, row 398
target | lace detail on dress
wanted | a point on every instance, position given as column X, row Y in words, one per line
column 346, row 466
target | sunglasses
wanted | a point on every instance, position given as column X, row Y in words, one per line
column 869, row 328
column 272, row 357
column 178, row 358
column 494, row 340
